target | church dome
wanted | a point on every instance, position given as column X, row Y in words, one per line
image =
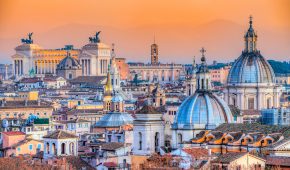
column 114, row 119
column 203, row 110
column 251, row 68
column 117, row 98
column 69, row 63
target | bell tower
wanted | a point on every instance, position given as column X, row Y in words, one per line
column 154, row 53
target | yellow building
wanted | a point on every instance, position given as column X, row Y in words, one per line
column 23, row 109
column 30, row 58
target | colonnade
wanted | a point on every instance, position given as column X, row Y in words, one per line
column 46, row 66
column 86, row 67
column 18, row 67
column 91, row 68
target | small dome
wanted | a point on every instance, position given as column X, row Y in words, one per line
column 69, row 63
column 251, row 68
column 114, row 119
column 203, row 110
column 117, row 98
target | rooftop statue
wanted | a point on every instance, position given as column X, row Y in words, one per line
column 29, row 40
column 96, row 38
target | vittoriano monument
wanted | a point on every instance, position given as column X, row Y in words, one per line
column 96, row 38
column 29, row 40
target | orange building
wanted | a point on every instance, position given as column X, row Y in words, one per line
column 16, row 143
column 220, row 74
column 123, row 68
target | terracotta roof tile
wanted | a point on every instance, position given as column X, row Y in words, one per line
column 59, row 134
column 13, row 133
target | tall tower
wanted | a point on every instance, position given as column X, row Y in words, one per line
column 250, row 38
column 108, row 92
column 114, row 71
column 154, row 53
column 191, row 80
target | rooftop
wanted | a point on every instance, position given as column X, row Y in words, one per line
column 13, row 133
column 59, row 134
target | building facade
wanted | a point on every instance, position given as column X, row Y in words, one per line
column 155, row 71
column 251, row 80
column 31, row 59
column 95, row 57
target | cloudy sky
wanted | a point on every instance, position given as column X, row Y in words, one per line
column 181, row 27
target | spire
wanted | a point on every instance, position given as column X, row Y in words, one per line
column 203, row 74
column 113, row 50
column 203, row 67
column 203, row 60
column 250, row 37
column 251, row 21
column 108, row 86
column 193, row 62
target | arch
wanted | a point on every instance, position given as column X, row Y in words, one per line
column 157, row 141
column 54, row 151
column 72, row 148
column 140, row 140
column 179, row 140
column 63, row 148
column 47, row 148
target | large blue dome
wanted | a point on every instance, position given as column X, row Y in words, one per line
column 203, row 110
column 251, row 67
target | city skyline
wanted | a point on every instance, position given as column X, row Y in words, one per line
column 181, row 29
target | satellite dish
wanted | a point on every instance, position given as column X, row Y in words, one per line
column 5, row 123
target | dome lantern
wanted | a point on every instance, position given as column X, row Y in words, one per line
column 250, row 38
column 203, row 74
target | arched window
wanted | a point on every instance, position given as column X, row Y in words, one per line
column 156, row 142
column 63, row 148
column 71, row 147
column 160, row 101
column 179, row 138
column 202, row 84
column 140, row 141
column 47, row 148
column 54, row 149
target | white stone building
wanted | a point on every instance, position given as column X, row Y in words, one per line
column 60, row 143
column 95, row 57
column 31, row 59
column 251, row 80
column 203, row 110
column 148, row 131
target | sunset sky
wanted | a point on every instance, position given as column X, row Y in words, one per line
column 181, row 27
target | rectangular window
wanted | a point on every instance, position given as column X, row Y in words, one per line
column 119, row 138
column 251, row 103
column 39, row 146
column 30, row 147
